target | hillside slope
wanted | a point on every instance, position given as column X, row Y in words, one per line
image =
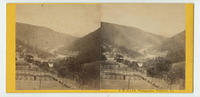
column 41, row 37
column 129, row 37
column 22, row 49
column 89, row 47
column 175, row 47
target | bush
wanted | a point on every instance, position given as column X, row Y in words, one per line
column 158, row 67
column 177, row 72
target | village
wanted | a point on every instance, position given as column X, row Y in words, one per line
column 120, row 71
column 37, row 73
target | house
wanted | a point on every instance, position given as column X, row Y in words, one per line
column 140, row 64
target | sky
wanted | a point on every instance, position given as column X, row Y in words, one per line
column 74, row 19
column 162, row 19
column 81, row 19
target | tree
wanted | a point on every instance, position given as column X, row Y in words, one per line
column 159, row 66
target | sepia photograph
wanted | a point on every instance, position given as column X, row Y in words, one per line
column 136, row 46
column 143, row 46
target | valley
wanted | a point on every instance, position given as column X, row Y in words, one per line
column 111, row 57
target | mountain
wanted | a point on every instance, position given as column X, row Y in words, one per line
column 124, row 39
column 175, row 47
column 129, row 37
column 129, row 41
column 41, row 37
column 89, row 47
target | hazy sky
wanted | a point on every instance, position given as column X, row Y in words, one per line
column 81, row 19
column 162, row 19
column 73, row 19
